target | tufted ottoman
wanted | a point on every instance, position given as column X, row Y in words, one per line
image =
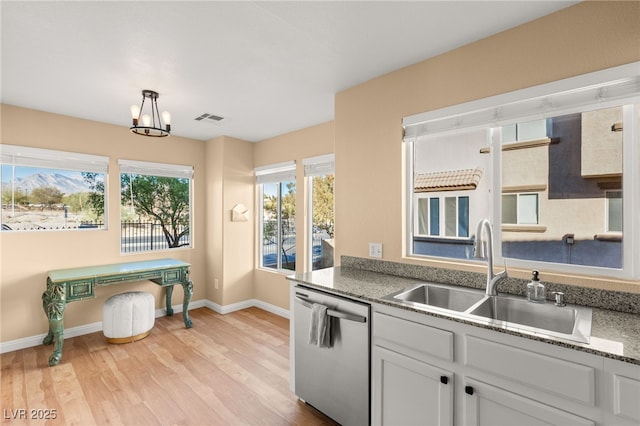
column 127, row 317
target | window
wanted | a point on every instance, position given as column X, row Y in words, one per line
column 520, row 209
column 450, row 192
column 155, row 207
column 277, row 188
column 454, row 216
column 428, row 216
column 554, row 154
column 614, row 211
column 319, row 172
column 52, row 190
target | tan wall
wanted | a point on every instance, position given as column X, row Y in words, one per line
column 214, row 185
column 238, row 237
column 369, row 154
column 27, row 256
column 525, row 167
column 272, row 287
column 601, row 148
column 369, row 165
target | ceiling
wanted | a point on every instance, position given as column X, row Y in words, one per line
column 267, row 68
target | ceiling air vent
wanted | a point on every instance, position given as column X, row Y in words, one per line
column 206, row 117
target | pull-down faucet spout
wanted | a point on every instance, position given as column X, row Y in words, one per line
column 480, row 252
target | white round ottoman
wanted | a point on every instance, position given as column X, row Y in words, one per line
column 127, row 317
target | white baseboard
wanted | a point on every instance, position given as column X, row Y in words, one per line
column 27, row 342
column 247, row 304
column 277, row 310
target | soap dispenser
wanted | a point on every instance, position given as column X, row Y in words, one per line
column 536, row 292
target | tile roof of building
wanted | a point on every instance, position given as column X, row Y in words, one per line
column 451, row 180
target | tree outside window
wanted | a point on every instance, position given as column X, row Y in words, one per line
column 278, row 250
column 155, row 206
column 323, row 222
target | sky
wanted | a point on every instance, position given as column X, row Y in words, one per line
column 21, row 172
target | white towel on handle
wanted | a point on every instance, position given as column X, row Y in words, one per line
column 320, row 327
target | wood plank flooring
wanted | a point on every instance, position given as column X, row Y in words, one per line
column 227, row 370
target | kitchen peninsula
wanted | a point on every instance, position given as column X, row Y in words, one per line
column 468, row 365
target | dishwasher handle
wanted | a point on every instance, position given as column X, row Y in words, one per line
column 334, row 313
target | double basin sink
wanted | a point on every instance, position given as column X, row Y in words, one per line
column 568, row 322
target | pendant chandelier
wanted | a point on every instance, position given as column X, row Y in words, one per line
column 150, row 124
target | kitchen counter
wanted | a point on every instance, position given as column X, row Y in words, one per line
column 614, row 334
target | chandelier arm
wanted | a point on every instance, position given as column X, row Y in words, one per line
column 155, row 114
column 141, row 109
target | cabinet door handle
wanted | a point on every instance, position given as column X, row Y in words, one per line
column 468, row 390
column 444, row 380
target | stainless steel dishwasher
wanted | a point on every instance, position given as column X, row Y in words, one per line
column 334, row 380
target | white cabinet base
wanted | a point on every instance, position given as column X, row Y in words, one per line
column 410, row 392
column 486, row 405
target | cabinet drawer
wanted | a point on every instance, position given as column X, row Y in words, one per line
column 116, row 279
column 79, row 290
column 172, row 276
column 420, row 337
column 546, row 373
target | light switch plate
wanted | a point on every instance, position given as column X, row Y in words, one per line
column 375, row 250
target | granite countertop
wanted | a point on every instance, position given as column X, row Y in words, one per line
column 614, row 334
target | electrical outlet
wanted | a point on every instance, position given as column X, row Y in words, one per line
column 216, row 285
column 375, row 250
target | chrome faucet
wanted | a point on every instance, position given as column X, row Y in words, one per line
column 480, row 252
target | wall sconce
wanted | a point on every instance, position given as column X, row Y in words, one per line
column 239, row 213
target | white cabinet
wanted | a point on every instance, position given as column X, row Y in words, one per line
column 410, row 392
column 433, row 371
column 486, row 405
column 622, row 393
column 408, row 385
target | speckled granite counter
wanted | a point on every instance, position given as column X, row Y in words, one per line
column 613, row 334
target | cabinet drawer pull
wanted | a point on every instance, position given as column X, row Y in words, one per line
column 444, row 380
column 468, row 390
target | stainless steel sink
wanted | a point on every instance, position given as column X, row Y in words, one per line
column 454, row 299
column 568, row 322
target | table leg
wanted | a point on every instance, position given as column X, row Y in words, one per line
column 169, row 294
column 188, row 292
column 53, row 303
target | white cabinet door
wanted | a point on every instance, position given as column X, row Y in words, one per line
column 487, row 405
column 622, row 390
column 409, row 392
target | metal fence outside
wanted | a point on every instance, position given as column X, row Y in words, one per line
column 146, row 236
column 286, row 248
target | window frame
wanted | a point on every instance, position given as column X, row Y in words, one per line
column 318, row 166
column 147, row 168
column 518, row 195
column 57, row 160
column 442, row 217
column 276, row 173
column 618, row 86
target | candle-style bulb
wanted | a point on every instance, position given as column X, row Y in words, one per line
column 135, row 111
column 166, row 117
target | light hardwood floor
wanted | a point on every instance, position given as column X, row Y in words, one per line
column 227, row 370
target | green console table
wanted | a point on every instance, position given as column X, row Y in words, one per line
column 70, row 285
